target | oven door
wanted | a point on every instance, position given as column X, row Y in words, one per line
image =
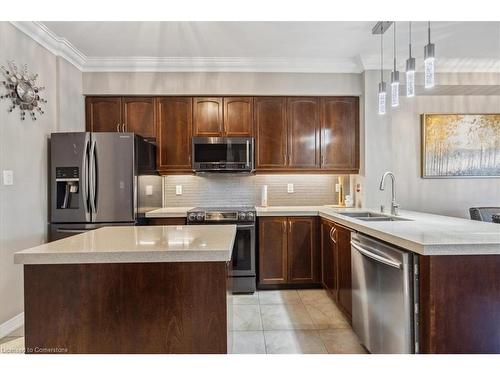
column 243, row 258
column 223, row 154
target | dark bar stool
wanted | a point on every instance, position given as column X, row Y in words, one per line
column 484, row 213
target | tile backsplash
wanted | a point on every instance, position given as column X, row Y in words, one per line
column 236, row 190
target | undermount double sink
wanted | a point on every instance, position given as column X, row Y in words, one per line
column 372, row 216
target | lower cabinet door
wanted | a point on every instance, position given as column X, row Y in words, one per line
column 328, row 273
column 343, row 239
column 302, row 258
column 273, row 250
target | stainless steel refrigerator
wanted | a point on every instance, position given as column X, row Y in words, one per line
column 94, row 180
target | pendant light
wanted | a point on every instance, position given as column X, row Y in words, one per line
column 410, row 70
column 394, row 77
column 429, row 61
column 381, row 86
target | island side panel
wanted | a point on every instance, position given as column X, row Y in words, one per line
column 126, row 307
column 460, row 304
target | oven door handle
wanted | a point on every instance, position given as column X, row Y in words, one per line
column 245, row 226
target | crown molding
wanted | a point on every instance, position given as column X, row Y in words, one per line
column 443, row 65
column 49, row 40
column 220, row 64
column 62, row 47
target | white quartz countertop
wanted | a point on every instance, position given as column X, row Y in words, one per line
column 422, row 233
column 169, row 212
column 139, row 244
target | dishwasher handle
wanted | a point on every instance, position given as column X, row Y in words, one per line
column 376, row 257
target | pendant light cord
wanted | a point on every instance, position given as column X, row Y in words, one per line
column 394, row 45
column 429, row 30
column 409, row 39
column 382, row 53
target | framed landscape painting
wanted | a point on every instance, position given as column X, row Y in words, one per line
column 460, row 145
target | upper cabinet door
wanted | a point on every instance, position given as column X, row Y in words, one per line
column 303, row 132
column 139, row 116
column 174, row 134
column 271, row 132
column 207, row 117
column 340, row 133
column 103, row 114
column 238, row 117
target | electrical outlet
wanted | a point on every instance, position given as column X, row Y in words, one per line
column 337, row 188
column 149, row 189
column 289, row 188
column 178, row 189
column 8, row 177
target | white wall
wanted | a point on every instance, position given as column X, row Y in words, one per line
column 165, row 83
column 23, row 149
column 393, row 142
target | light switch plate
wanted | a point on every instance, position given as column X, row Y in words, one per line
column 289, row 188
column 8, row 177
column 149, row 189
column 178, row 189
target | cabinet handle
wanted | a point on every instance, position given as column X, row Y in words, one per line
column 284, row 226
column 290, row 226
column 332, row 233
column 117, row 128
column 123, row 128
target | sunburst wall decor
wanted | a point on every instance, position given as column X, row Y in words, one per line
column 22, row 90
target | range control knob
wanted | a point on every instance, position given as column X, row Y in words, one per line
column 192, row 216
column 200, row 216
column 250, row 216
column 242, row 215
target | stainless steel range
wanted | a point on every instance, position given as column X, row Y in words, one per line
column 243, row 258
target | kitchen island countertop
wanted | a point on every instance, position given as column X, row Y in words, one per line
column 137, row 244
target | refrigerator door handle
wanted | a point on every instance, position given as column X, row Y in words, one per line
column 85, row 177
column 92, row 174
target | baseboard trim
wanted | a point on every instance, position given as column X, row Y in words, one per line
column 11, row 325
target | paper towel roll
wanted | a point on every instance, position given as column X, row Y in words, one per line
column 263, row 197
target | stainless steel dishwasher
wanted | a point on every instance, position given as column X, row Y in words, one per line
column 384, row 286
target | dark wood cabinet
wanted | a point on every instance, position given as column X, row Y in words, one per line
column 340, row 133
column 166, row 221
column 238, row 116
column 303, row 260
column 342, row 237
column 303, row 132
column 139, row 116
column 273, row 265
column 103, row 114
column 207, row 117
column 174, row 134
column 271, row 133
column 288, row 251
column 121, row 114
column 328, row 258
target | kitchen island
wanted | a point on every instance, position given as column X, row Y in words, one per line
column 143, row 289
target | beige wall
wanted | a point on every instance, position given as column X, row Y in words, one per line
column 221, row 84
column 393, row 142
column 23, row 149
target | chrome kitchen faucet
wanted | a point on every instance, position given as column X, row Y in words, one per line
column 394, row 205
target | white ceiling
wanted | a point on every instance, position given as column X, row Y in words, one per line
column 265, row 46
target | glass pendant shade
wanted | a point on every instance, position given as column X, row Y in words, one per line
column 429, row 66
column 381, row 98
column 395, row 88
column 410, row 77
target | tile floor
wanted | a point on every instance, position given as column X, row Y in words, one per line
column 291, row 321
column 273, row 322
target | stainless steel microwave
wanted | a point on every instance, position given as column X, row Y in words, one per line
column 223, row 154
